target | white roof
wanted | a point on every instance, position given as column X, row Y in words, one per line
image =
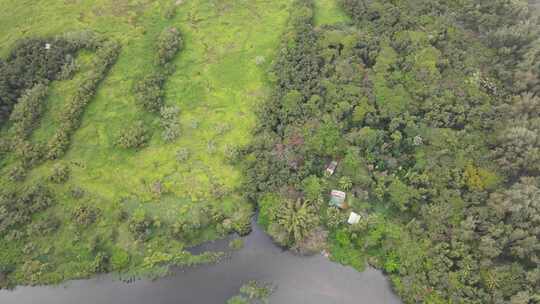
column 353, row 218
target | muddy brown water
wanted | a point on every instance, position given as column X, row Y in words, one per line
column 313, row 280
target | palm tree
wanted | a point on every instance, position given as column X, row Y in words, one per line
column 297, row 218
column 345, row 183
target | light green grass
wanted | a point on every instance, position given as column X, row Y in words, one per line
column 328, row 12
column 217, row 83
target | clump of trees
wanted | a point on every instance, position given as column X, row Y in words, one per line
column 85, row 214
column 134, row 136
column 70, row 117
column 169, row 43
column 31, row 62
column 149, row 89
column 170, row 123
column 60, row 173
column 18, row 206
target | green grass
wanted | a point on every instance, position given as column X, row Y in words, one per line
column 217, row 85
column 328, row 12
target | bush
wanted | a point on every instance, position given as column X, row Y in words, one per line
column 169, row 122
column 46, row 225
column 27, row 111
column 18, row 206
column 134, row 136
column 149, row 93
column 140, row 225
column 236, row 244
column 76, row 192
column 60, row 173
column 168, row 44
column 17, row 173
column 85, row 215
column 119, row 259
column 182, row 155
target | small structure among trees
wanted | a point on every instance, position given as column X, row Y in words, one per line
column 354, row 218
column 331, row 168
column 337, row 199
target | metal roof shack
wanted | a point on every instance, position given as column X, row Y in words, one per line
column 337, row 199
column 331, row 168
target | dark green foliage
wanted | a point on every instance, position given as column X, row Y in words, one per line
column 45, row 225
column 417, row 101
column 85, row 214
column 149, row 91
column 134, row 136
column 170, row 123
column 168, row 44
column 26, row 112
column 17, row 207
column 28, row 64
column 140, row 225
column 60, row 173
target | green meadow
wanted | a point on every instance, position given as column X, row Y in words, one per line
column 218, row 82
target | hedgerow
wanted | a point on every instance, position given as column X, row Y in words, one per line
column 71, row 115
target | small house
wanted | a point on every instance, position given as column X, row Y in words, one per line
column 354, row 218
column 47, row 46
column 337, row 199
column 331, row 168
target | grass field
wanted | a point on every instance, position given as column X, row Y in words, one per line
column 219, row 80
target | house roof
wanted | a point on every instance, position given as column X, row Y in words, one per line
column 337, row 198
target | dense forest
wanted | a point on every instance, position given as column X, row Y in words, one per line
column 431, row 110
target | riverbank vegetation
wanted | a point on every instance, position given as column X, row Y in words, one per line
column 430, row 110
column 120, row 123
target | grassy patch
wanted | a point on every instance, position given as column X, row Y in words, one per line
column 218, row 83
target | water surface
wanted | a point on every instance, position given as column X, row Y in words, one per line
column 313, row 280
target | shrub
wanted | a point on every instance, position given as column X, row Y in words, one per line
column 69, row 69
column 236, row 244
column 77, row 192
column 168, row 44
column 182, row 155
column 100, row 263
column 334, row 217
column 140, row 225
column 85, row 215
column 17, row 173
column 169, row 122
column 28, row 153
column 46, row 225
column 119, row 259
column 60, row 173
column 18, row 206
column 27, row 111
column 134, row 136
column 149, row 93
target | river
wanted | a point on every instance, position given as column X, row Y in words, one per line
column 313, row 280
